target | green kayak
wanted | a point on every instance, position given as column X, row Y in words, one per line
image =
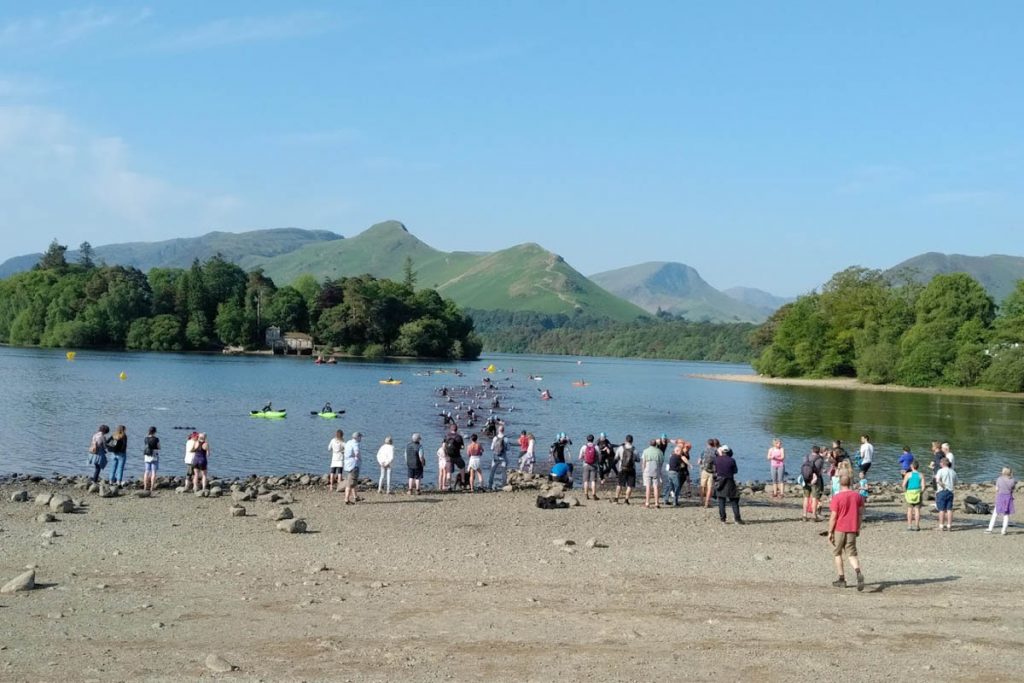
column 328, row 416
column 268, row 413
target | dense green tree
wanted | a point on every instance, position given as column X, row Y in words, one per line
column 85, row 255
column 53, row 258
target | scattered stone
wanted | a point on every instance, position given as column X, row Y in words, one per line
column 563, row 541
column 267, row 497
column 45, row 518
column 55, row 615
column 50, row 533
column 106, row 491
column 568, row 549
column 43, row 499
column 575, row 502
column 93, row 488
column 242, row 496
column 480, row 584
column 142, row 494
column 593, row 543
column 292, row 526
column 762, row 557
column 61, row 503
column 237, row 511
column 202, row 493
column 316, row 568
column 180, row 489
column 280, row 514
column 218, row 664
column 305, row 480
column 158, row 625
column 216, row 492
column 25, row 581
column 379, row 584
column 507, row 488
column 20, row 497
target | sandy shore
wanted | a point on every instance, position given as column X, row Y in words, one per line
column 853, row 384
column 473, row 587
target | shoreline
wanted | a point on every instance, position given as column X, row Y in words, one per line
column 852, row 384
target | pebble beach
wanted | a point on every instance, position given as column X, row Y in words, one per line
column 487, row 587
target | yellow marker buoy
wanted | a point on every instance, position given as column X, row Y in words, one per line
column 70, row 355
column 123, row 376
column 491, row 368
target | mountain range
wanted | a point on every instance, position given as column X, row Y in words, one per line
column 525, row 277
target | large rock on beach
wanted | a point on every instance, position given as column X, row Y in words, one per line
column 106, row 491
column 240, row 496
column 292, row 526
column 216, row 492
column 43, row 499
column 19, row 497
column 218, row 664
column 280, row 514
column 61, row 503
column 269, row 497
column 237, row 511
column 20, row 583
column 45, row 518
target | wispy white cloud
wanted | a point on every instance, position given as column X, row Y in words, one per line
column 14, row 87
column 66, row 27
column 63, row 181
column 241, row 30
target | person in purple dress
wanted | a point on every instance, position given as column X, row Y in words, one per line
column 1004, row 499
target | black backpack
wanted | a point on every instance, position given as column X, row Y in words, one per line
column 817, row 467
column 451, row 447
column 807, row 471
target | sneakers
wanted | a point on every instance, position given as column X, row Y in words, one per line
column 840, row 582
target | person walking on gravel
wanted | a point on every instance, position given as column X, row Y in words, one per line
column 846, row 512
column 726, row 489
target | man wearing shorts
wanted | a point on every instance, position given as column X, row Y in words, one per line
column 945, row 480
column 845, row 517
column 590, row 458
column 414, row 462
column 475, row 451
column 336, row 448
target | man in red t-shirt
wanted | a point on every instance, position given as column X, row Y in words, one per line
column 847, row 511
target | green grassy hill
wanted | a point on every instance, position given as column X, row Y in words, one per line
column 997, row 273
column 244, row 248
column 678, row 289
column 521, row 278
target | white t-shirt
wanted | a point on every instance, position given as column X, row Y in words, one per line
column 867, row 451
column 385, row 455
column 190, row 451
column 951, row 459
column 337, row 449
column 945, row 479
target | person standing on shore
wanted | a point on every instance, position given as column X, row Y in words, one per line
column 934, row 466
column 905, row 459
column 453, row 445
column 589, row 457
column 867, row 454
column 1004, row 499
column 475, row 451
column 607, row 456
column 98, row 452
column 118, row 447
column 528, row 458
column 200, row 462
column 674, row 481
column 707, row 470
column 351, row 467
column 151, row 460
column 415, row 462
column 846, row 512
column 385, row 456
column 948, row 455
column 945, row 481
column 499, row 457
column 625, row 460
column 812, row 472
column 654, row 459
column 913, row 493
column 777, row 459
column 726, row 489
column 442, row 467
column 557, row 450
column 190, row 456
column 524, row 442
column 336, row 447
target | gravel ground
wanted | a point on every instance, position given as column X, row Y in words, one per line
column 475, row 587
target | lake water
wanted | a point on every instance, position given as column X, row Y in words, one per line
column 51, row 406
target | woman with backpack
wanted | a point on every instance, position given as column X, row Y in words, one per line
column 589, row 458
column 811, row 473
column 98, row 452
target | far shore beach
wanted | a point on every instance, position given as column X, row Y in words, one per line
column 850, row 383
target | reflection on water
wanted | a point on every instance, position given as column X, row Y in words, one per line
column 50, row 407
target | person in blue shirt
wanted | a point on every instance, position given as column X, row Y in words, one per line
column 905, row 460
column 561, row 472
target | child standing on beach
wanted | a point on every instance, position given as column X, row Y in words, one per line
column 862, row 486
column 1004, row 499
column 905, row 459
column 913, row 492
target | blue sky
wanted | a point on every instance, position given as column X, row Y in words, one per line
column 766, row 144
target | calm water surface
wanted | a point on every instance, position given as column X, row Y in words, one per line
column 50, row 407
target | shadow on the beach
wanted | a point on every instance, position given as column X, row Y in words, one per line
column 403, row 501
column 882, row 585
column 777, row 520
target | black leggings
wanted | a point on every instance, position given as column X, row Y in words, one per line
column 735, row 502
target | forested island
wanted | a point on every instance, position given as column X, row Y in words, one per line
column 947, row 332
column 215, row 303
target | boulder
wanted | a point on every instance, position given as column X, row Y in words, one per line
column 241, row 496
column 22, row 582
column 61, row 503
column 216, row 492
column 43, row 499
column 106, row 491
column 19, row 497
column 202, row 493
column 280, row 514
column 292, row 526
column 269, row 497
column 237, row 511
column 45, row 518
column 180, row 489
column 142, row 494
column 218, row 664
